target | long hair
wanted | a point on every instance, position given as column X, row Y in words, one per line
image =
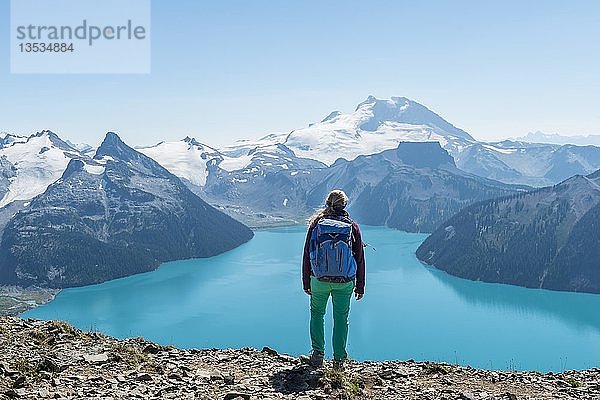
column 335, row 202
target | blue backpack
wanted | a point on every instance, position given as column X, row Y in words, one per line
column 330, row 249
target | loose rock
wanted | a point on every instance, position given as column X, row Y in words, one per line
column 94, row 366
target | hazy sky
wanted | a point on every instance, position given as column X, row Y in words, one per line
column 223, row 70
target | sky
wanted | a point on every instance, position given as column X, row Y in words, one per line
column 224, row 70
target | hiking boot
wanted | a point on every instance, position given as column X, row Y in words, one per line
column 314, row 360
column 338, row 365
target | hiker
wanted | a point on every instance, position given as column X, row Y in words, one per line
column 333, row 264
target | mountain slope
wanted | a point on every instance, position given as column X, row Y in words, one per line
column 548, row 238
column 528, row 163
column 270, row 189
column 413, row 188
column 118, row 214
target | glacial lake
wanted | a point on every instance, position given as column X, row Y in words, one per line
column 252, row 297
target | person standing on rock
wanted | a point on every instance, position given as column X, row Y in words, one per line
column 333, row 265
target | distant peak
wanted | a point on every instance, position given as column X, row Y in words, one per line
column 53, row 138
column 9, row 138
column 396, row 99
column 113, row 146
column 192, row 141
column 369, row 100
column 393, row 102
column 74, row 166
column 404, row 110
column 111, row 136
column 47, row 133
column 424, row 154
column 44, row 132
column 331, row 116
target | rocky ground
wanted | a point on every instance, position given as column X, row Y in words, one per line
column 40, row 360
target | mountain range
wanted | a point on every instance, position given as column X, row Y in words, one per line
column 547, row 238
column 110, row 216
column 239, row 178
column 377, row 125
column 402, row 164
column 414, row 188
column 555, row 138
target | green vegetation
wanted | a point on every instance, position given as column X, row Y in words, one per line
column 25, row 367
column 130, row 354
column 346, row 381
column 572, row 381
column 39, row 337
column 437, row 368
column 63, row 327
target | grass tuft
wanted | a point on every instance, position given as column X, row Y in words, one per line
column 437, row 368
column 63, row 327
column 130, row 354
column 345, row 381
column 572, row 381
column 25, row 367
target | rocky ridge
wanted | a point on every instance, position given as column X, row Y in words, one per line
column 54, row 360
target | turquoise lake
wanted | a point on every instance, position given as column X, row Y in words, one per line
column 252, row 296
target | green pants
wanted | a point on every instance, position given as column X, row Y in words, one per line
column 340, row 296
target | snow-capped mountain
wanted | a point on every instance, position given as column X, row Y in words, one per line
column 555, row 138
column 186, row 158
column 35, row 161
column 7, row 139
column 262, row 178
column 83, row 148
column 111, row 216
column 535, row 164
column 376, row 125
column 240, row 178
column 227, row 174
column 269, row 189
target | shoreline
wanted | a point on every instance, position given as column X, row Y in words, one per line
column 15, row 300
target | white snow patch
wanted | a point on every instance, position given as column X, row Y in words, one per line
column 499, row 149
column 234, row 164
column 94, row 169
column 182, row 159
column 38, row 163
column 342, row 137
